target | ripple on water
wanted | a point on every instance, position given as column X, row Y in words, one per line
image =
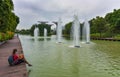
column 58, row 60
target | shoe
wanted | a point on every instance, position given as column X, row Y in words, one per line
column 29, row 65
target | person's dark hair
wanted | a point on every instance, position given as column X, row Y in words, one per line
column 14, row 51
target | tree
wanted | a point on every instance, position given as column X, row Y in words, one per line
column 41, row 28
column 116, row 29
column 113, row 18
column 98, row 25
column 8, row 20
column 68, row 28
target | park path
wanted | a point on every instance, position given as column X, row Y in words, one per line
column 5, row 51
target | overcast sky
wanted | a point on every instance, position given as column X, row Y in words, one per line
column 31, row 11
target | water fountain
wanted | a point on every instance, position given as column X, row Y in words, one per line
column 87, row 32
column 45, row 32
column 36, row 32
column 83, row 33
column 76, row 31
column 59, row 31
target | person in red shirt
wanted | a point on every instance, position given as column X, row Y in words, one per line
column 19, row 58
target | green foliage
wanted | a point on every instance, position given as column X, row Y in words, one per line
column 113, row 19
column 116, row 28
column 101, row 27
column 8, row 20
column 95, row 35
column 41, row 28
column 113, row 16
column 23, row 31
column 117, row 36
column 108, row 26
column 32, row 29
column 2, row 37
column 98, row 25
column 67, row 29
column 6, row 36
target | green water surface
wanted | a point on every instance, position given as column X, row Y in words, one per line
column 50, row 59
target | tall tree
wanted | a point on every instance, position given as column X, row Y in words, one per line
column 8, row 20
column 68, row 28
column 98, row 25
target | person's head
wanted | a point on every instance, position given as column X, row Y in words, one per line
column 14, row 51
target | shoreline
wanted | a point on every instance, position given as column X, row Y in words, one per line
column 106, row 39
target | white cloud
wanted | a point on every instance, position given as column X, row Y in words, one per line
column 30, row 11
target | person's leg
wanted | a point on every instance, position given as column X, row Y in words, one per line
column 21, row 56
column 27, row 62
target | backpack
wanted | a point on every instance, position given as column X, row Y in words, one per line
column 10, row 60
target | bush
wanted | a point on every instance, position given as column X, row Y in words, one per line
column 103, row 35
column 117, row 36
column 6, row 36
column 9, row 35
column 95, row 35
column 2, row 36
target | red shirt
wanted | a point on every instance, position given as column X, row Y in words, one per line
column 15, row 57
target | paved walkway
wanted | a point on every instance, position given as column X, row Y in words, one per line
column 5, row 51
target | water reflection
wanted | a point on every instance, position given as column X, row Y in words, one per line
column 75, row 63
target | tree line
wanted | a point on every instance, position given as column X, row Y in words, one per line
column 102, row 27
column 108, row 26
column 41, row 28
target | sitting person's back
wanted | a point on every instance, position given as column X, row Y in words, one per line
column 10, row 60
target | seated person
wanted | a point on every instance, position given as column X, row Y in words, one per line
column 16, row 59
